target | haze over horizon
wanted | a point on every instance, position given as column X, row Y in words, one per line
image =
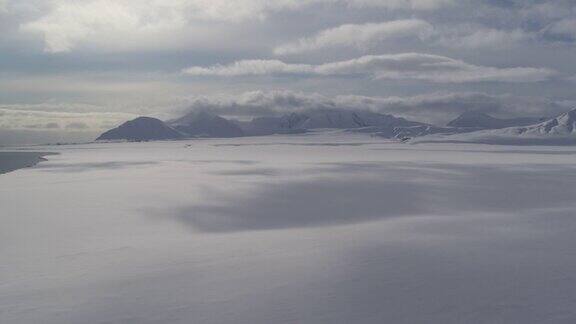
column 72, row 69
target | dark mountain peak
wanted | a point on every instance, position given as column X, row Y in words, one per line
column 141, row 129
column 205, row 124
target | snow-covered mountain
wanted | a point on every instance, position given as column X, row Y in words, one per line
column 285, row 124
column 204, row 124
column 347, row 119
column 481, row 120
column 560, row 130
column 141, row 129
column 327, row 118
column 563, row 125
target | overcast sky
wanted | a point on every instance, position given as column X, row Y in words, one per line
column 73, row 68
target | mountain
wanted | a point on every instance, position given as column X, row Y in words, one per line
column 481, row 120
column 325, row 118
column 141, row 129
column 563, row 125
column 560, row 130
column 285, row 124
column 347, row 119
column 204, row 124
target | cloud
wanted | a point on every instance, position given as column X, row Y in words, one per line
column 402, row 4
column 18, row 118
column 21, row 126
column 436, row 108
column 77, row 125
column 69, row 22
column 477, row 37
column 251, row 67
column 408, row 66
column 563, row 30
column 43, row 126
column 113, row 22
column 358, row 35
column 554, row 21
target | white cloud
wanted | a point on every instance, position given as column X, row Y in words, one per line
column 408, row 66
column 111, row 22
column 70, row 22
column 251, row 67
column 359, row 35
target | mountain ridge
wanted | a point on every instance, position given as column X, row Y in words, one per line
column 205, row 124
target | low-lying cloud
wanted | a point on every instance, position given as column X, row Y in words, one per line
column 14, row 119
column 437, row 108
column 407, row 66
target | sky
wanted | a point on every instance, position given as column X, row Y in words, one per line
column 70, row 69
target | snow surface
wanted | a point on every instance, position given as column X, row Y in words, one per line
column 315, row 228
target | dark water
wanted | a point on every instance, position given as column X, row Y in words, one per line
column 11, row 161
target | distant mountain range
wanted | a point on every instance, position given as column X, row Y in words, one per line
column 560, row 130
column 467, row 125
column 484, row 121
column 204, row 124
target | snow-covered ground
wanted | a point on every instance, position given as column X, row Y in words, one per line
column 317, row 228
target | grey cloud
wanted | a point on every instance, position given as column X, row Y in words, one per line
column 20, row 118
column 43, row 126
column 563, row 30
column 76, row 125
column 67, row 23
column 436, row 108
column 479, row 37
